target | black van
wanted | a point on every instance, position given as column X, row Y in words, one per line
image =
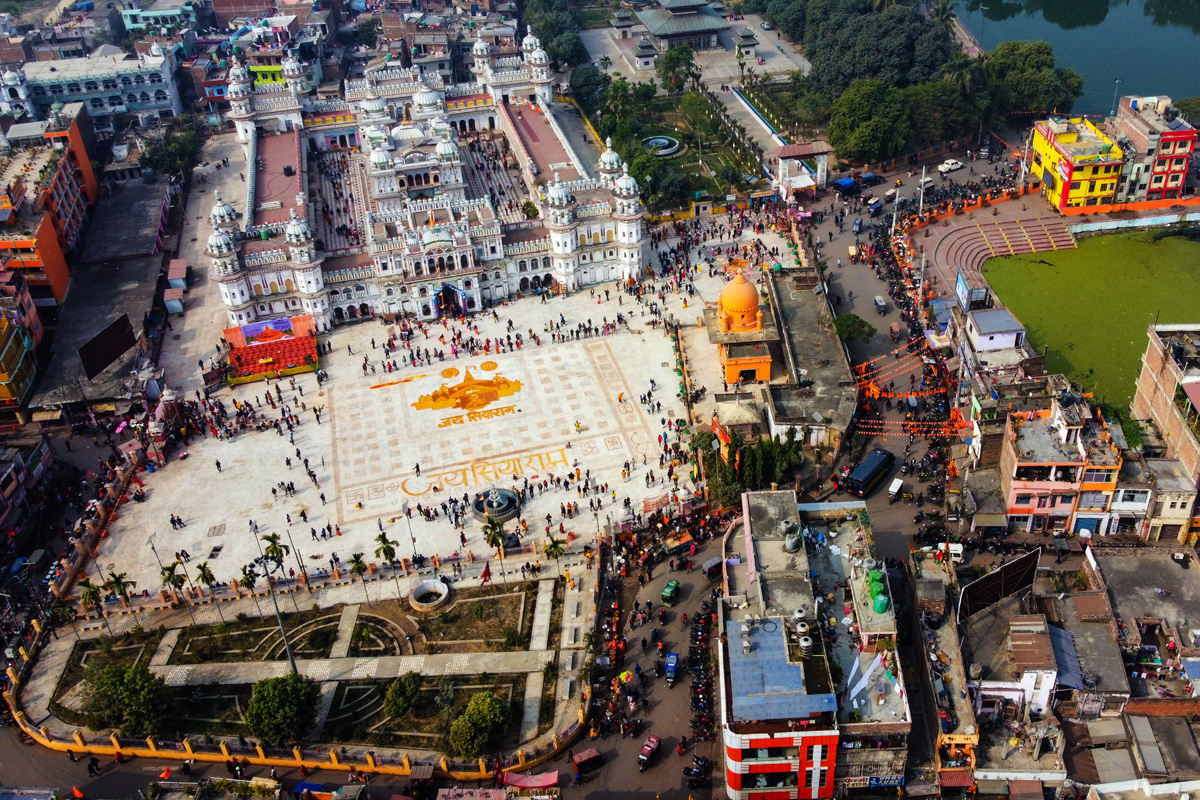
column 869, row 472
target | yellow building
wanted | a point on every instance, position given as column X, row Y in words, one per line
column 1076, row 163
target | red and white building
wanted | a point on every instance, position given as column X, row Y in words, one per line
column 1158, row 144
column 783, row 670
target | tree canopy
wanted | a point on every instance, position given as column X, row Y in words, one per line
column 472, row 730
column 131, row 699
column 1023, row 78
column 851, row 326
column 868, row 122
column 675, row 67
column 554, row 22
column 401, row 694
column 282, row 710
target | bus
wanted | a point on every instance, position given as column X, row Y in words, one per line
column 869, row 472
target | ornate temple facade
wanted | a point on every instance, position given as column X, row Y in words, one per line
column 429, row 237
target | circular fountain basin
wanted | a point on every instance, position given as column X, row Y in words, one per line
column 501, row 504
column 429, row 596
column 661, row 146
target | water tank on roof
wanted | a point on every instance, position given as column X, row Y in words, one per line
column 881, row 603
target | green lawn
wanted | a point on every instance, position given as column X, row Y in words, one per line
column 1091, row 306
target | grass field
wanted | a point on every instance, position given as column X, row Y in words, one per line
column 1091, row 306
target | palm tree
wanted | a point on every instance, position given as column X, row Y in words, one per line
column 118, row 585
column 64, row 612
column 359, row 567
column 604, row 63
column 206, row 577
column 960, row 73
column 942, row 12
column 882, row 5
column 275, row 549
column 173, row 580
column 386, row 550
column 555, row 548
column 493, row 534
column 249, row 579
column 92, row 596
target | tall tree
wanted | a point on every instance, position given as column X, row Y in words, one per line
column 675, row 67
column 942, row 12
column 249, row 580
column 283, row 710
column 385, row 549
column 275, row 549
column 118, row 585
column 868, row 122
column 174, row 580
column 555, row 548
column 92, row 596
column 1024, row 79
column 204, row 575
column 358, row 566
column 493, row 534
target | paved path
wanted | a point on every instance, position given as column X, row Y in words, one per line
column 345, row 633
column 328, row 689
column 345, row 669
column 165, row 648
column 533, row 705
column 539, row 637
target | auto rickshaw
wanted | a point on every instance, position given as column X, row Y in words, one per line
column 646, row 754
column 588, row 760
column 895, row 331
column 670, row 593
column 712, row 567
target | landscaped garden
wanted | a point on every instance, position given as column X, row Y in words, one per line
column 1090, row 307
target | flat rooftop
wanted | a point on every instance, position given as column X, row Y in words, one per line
column 1170, row 476
column 25, row 167
column 841, row 553
column 1131, row 584
column 275, row 192
column 823, row 390
column 542, row 144
column 1083, row 616
column 941, row 644
column 1079, row 141
column 770, row 591
column 1182, row 343
column 1039, row 440
column 125, row 225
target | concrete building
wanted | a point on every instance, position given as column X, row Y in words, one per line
column 778, row 716
column 108, row 85
column 949, row 709
column 1077, row 164
column 683, row 22
column 1158, row 144
column 46, row 195
column 1168, row 394
column 994, row 329
column 138, row 15
column 20, row 336
column 1059, row 469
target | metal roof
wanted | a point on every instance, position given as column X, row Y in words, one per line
column 1070, row 671
column 764, row 683
column 661, row 22
column 996, row 320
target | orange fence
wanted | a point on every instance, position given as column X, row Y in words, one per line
column 930, row 217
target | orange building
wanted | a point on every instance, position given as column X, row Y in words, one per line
column 47, row 189
column 741, row 331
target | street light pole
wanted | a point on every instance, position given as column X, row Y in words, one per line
column 1116, row 92
column 408, row 521
column 299, row 561
column 287, row 647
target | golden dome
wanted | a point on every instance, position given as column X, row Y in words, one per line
column 739, row 296
column 738, row 305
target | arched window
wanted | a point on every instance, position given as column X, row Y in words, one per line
column 126, row 80
column 582, row 239
column 91, row 86
column 467, row 284
column 520, row 266
column 132, row 98
column 464, row 262
column 156, row 78
column 96, row 102
column 140, row 80
column 610, row 235
column 160, row 95
column 144, row 97
column 289, row 286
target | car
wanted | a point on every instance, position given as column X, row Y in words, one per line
column 766, row 26
column 858, row 223
column 871, row 179
column 949, row 165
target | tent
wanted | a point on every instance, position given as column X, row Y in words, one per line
column 543, row 780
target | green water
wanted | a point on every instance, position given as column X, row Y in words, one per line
column 1153, row 46
column 1090, row 307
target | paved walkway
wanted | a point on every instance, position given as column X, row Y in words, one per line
column 166, row 648
column 328, row 690
column 345, row 632
column 539, row 637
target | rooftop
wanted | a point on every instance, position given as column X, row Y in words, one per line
column 126, row 224
column 1006, row 641
column 996, row 320
column 823, row 391
column 1079, row 141
column 841, row 553
column 942, row 653
column 1182, row 343
column 275, row 191
column 664, row 23
column 769, row 593
column 1170, row 475
column 1083, row 615
column 542, row 144
column 1047, row 437
column 1156, row 113
column 93, row 66
column 25, row 170
column 804, row 150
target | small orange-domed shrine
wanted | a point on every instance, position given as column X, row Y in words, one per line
column 741, row 330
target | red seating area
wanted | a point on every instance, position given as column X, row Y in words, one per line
column 968, row 247
column 260, row 359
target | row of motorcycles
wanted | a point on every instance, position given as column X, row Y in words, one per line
column 700, row 665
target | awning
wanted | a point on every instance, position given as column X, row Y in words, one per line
column 1025, row 790
column 956, row 778
column 990, row 520
column 105, row 408
column 421, row 772
column 994, row 788
column 47, row 416
column 800, row 182
column 541, row 781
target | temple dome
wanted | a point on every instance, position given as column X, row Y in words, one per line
column 738, row 306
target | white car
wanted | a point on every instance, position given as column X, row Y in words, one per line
column 949, row 166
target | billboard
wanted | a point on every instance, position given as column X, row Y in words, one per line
column 99, row 352
column 270, row 331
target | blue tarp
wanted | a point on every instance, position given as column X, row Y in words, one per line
column 940, row 313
